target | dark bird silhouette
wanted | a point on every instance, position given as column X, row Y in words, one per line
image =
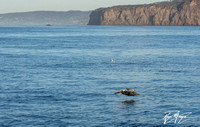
column 128, row 92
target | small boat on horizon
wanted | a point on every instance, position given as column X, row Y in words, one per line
column 48, row 25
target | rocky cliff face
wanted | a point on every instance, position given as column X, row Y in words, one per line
column 177, row 12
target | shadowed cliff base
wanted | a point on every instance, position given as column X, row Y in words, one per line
column 173, row 13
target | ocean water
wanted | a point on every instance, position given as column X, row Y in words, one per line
column 62, row 76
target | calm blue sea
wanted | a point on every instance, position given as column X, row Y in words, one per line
column 63, row 77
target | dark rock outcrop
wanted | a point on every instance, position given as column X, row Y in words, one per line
column 177, row 12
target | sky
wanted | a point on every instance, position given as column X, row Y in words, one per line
column 9, row 6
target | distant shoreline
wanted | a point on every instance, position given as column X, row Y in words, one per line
column 40, row 18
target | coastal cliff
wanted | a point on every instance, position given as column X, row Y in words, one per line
column 174, row 13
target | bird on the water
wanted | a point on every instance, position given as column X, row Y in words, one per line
column 128, row 92
column 111, row 60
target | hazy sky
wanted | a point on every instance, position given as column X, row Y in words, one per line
column 7, row 6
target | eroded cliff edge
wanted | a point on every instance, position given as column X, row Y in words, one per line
column 177, row 12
